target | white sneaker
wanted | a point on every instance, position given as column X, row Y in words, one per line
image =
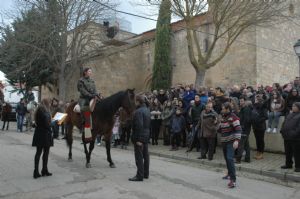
column 99, row 143
column 268, row 130
column 274, row 130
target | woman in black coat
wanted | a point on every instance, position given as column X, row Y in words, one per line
column 259, row 115
column 291, row 134
column 42, row 138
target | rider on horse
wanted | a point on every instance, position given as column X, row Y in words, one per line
column 87, row 88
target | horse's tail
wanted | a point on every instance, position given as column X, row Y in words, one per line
column 69, row 134
column 69, row 125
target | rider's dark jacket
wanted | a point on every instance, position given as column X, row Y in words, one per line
column 87, row 89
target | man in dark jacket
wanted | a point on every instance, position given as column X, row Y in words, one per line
column 195, row 117
column 291, row 134
column 140, row 137
column 21, row 110
column 245, row 121
column 259, row 115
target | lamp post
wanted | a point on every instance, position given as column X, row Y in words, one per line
column 297, row 51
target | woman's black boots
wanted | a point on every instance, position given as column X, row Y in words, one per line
column 45, row 172
column 36, row 174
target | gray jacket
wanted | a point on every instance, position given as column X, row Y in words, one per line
column 141, row 125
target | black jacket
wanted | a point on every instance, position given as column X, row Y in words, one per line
column 245, row 119
column 141, row 125
column 259, row 115
column 42, row 135
column 290, row 129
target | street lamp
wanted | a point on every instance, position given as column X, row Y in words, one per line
column 297, row 51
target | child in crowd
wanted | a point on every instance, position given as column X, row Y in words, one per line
column 116, row 132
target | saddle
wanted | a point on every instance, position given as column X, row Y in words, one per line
column 91, row 105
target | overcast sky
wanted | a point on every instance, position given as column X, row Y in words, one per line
column 138, row 25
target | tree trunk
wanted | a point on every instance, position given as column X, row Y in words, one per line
column 62, row 86
column 199, row 78
column 62, row 67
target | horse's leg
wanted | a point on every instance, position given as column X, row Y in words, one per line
column 69, row 139
column 91, row 147
column 107, row 146
column 88, row 164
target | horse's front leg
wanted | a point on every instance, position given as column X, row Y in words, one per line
column 87, row 156
column 107, row 146
column 91, row 147
column 69, row 139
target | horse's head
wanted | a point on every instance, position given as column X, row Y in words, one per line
column 128, row 102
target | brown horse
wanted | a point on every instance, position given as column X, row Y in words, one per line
column 102, row 121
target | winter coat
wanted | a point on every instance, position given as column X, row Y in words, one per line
column 290, row 129
column 43, row 136
column 230, row 128
column 141, row 125
column 203, row 99
column 196, row 113
column 87, row 89
column 6, row 110
column 155, row 112
column 219, row 100
column 290, row 100
column 277, row 106
column 259, row 115
column 209, row 124
column 166, row 115
column 21, row 109
column 187, row 97
column 245, row 119
column 177, row 124
column 162, row 98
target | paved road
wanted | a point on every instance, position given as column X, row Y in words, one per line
column 71, row 180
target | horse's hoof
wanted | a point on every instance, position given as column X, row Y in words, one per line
column 70, row 159
column 88, row 165
column 112, row 166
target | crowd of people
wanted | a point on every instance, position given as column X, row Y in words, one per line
column 195, row 118
column 192, row 118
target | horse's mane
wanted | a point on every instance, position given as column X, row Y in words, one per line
column 107, row 107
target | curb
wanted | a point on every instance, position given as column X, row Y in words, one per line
column 281, row 176
column 287, row 177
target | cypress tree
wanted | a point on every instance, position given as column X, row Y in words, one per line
column 162, row 71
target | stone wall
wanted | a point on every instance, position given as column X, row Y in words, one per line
column 276, row 59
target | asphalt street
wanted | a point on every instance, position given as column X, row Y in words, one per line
column 71, row 180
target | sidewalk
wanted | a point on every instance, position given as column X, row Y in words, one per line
column 269, row 166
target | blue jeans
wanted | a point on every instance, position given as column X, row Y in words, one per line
column 228, row 153
column 20, row 121
column 274, row 116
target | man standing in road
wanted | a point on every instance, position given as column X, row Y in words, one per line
column 140, row 137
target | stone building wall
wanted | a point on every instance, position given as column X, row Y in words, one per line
column 282, row 66
column 237, row 66
column 248, row 60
